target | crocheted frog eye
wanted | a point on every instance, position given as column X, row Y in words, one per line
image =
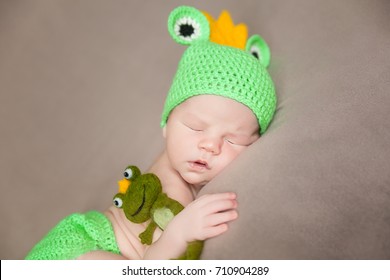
column 187, row 25
column 259, row 49
column 128, row 173
column 118, row 200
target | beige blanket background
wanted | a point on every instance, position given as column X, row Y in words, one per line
column 82, row 85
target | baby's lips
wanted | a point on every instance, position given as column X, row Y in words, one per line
column 202, row 162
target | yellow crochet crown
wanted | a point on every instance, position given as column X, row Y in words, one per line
column 224, row 32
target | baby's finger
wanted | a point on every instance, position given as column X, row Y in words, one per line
column 221, row 218
column 220, row 205
column 209, row 198
column 214, row 231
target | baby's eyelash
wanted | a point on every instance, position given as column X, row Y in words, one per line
column 229, row 141
column 233, row 142
column 192, row 128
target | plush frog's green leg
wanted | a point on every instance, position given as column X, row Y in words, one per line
column 193, row 252
column 147, row 236
column 161, row 213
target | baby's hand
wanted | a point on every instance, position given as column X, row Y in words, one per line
column 204, row 218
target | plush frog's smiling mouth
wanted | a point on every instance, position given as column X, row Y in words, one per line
column 142, row 204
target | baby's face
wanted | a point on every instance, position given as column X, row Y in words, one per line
column 205, row 133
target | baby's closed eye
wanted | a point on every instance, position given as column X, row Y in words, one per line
column 238, row 140
column 193, row 126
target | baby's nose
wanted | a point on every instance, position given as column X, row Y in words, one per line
column 211, row 145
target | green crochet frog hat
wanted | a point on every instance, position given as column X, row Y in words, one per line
column 220, row 61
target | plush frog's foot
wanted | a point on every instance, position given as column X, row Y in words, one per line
column 193, row 252
column 147, row 236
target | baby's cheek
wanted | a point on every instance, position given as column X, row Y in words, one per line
column 231, row 152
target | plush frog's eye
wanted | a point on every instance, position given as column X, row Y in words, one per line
column 118, row 200
column 128, row 174
column 131, row 172
column 187, row 25
column 259, row 49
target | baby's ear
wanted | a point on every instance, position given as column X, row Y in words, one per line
column 187, row 25
column 259, row 49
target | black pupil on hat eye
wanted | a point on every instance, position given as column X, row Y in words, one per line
column 255, row 54
column 186, row 30
column 126, row 174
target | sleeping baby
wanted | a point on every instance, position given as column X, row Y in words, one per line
column 220, row 102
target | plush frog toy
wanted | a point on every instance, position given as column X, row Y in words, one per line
column 141, row 198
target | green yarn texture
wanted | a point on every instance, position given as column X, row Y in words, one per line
column 75, row 235
column 210, row 68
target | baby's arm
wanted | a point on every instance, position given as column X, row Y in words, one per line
column 203, row 218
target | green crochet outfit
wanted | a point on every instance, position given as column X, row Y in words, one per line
column 75, row 235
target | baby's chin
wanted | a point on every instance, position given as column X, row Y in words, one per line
column 195, row 180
